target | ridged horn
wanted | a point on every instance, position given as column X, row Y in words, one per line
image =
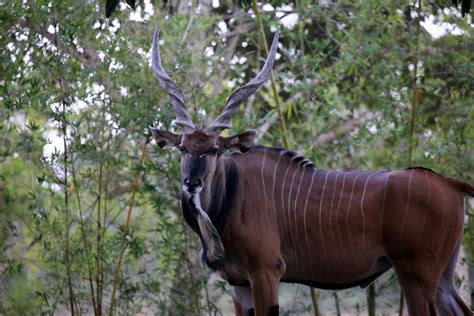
column 223, row 121
column 172, row 88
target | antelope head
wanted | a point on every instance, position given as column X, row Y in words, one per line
column 201, row 147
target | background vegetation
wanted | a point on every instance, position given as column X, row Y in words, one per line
column 89, row 216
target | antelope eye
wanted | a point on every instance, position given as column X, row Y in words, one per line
column 181, row 149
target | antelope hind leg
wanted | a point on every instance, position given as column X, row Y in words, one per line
column 448, row 300
column 419, row 287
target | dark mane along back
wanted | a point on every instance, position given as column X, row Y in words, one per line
column 423, row 168
column 294, row 156
column 465, row 187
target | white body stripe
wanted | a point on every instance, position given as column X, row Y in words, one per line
column 320, row 219
column 283, row 197
column 347, row 217
column 273, row 190
column 264, row 186
column 331, row 231
column 408, row 204
column 337, row 212
column 383, row 204
column 362, row 209
column 296, row 201
column 304, row 217
column 299, row 186
column 427, row 205
column 289, row 198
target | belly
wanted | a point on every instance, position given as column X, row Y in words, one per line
column 337, row 270
column 339, row 284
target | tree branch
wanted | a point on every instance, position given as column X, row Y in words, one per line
column 347, row 127
column 89, row 57
column 326, row 137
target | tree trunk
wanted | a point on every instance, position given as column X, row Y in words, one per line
column 402, row 303
column 371, row 299
column 462, row 274
column 314, row 298
column 336, row 301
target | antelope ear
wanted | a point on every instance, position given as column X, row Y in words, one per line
column 240, row 142
column 165, row 139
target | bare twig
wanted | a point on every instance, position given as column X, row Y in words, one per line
column 233, row 41
column 258, row 21
column 67, row 259
column 413, row 114
column 336, row 302
column 83, row 229
column 241, row 29
column 90, row 57
column 314, row 299
column 330, row 135
column 415, row 90
column 126, row 229
column 98, row 263
column 347, row 127
column 191, row 19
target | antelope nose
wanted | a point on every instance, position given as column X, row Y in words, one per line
column 192, row 184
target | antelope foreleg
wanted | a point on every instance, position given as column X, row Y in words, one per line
column 264, row 284
column 242, row 297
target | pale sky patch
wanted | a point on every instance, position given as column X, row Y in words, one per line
column 222, row 27
column 268, row 7
column 289, row 21
column 439, row 29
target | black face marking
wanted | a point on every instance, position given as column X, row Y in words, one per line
column 195, row 168
column 224, row 190
column 251, row 312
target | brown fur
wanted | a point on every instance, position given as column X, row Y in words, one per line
column 280, row 220
column 409, row 219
